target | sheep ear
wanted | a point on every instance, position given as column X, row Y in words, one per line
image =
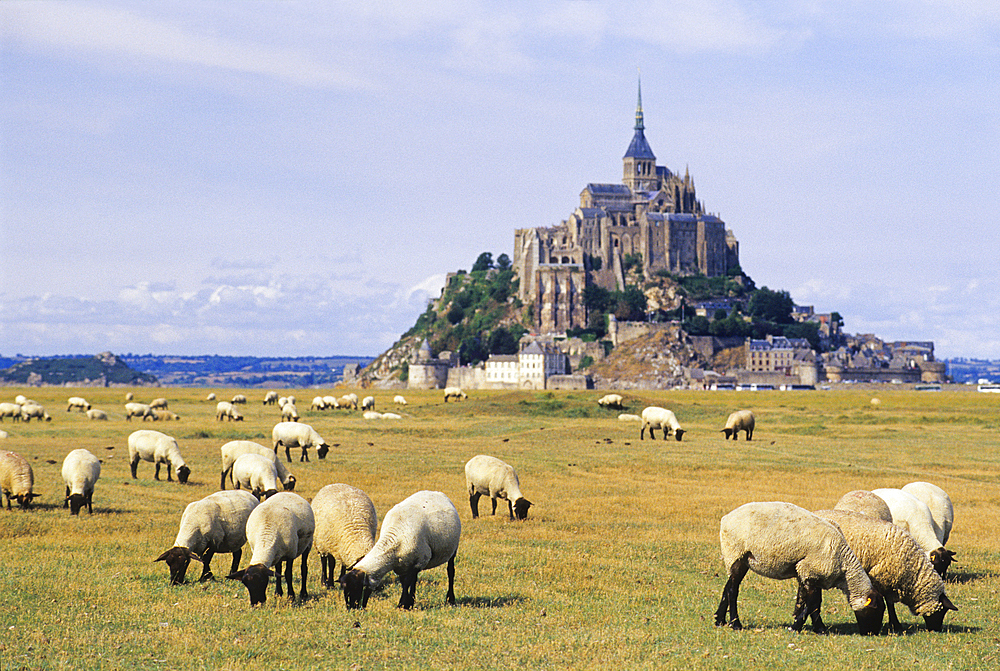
column 163, row 557
column 237, row 576
column 946, row 602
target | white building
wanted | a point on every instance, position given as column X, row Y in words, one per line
column 530, row 369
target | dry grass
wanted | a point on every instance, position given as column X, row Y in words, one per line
column 617, row 566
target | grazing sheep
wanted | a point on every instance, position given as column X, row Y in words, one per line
column 232, row 450
column 213, row 525
column 225, row 410
column 270, row 398
column 371, row 414
column 129, row 396
column 346, row 525
column 330, row 402
column 289, row 413
column 294, row 434
column 391, row 415
column 80, row 471
column 281, row 401
column 741, row 420
column 98, row 415
column 279, row 530
column 780, row 541
column 498, row 480
column 939, row 503
column 239, row 399
column 418, row 533
column 318, row 403
column 12, row 410
column 158, row 404
column 625, row 417
column 158, row 448
column 16, row 479
column 140, row 410
column 368, row 403
column 866, row 503
column 77, row 403
column 913, row 516
column 455, row 394
column 875, row 402
column 399, row 400
column 210, row 397
column 655, row 417
column 165, row 416
column 257, row 473
column 898, row 568
column 614, row 401
column 34, row 410
column 348, row 402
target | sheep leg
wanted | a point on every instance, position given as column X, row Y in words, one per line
column 474, row 504
column 288, row 453
column 277, row 579
column 450, row 598
column 303, row 593
column 156, row 472
column 169, row 466
column 206, row 566
column 66, row 500
column 510, row 506
column 409, row 595
column 808, row 602
column 222, row 484
column 493, row 500
column 730, row 593
column 305, row 453
column 237, row 555
column 134, row 464
column 749, row 434
column 894, row 624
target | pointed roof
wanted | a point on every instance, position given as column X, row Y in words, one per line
column 639, row 148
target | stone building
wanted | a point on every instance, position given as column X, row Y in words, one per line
column 653, row 215
column 429, row 372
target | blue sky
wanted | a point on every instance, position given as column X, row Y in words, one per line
column 295, row 178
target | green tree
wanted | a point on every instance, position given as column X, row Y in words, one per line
column 502, row 341
column 503, row 262
column 771, row 306
column 483, row 263
column 630, row 304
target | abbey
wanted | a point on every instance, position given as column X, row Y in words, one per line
column 653, row 215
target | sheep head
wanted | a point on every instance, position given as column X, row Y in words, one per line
column 255, row 578
column 322, row 450
column 76, row 501
column 935, row 621
column 182, row 474
column 177, row 559
column 678, row 434
column 357, row 589
column 941, row 559
column 869, row 616
column 521, row 508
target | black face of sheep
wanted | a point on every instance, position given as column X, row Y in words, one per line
column 521, row 508
column 941, row 559
column 77, row 501
column 290, row 485
column 182, row 474
column 678, row 434
column 356, row 589
column 255, row 578
column 322, row 451
column 23, row 500
column 935, row 621
column 177, row 560
column 870, row 616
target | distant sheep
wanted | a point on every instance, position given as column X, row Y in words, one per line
column 625, row 417
column 866, row 503
column 97, row 415
column 34, row 410
column 347, row 402
column 614, row 401
column 741, row 420
column 391, row 415
column 455, row 394
column 129, row 396
column 318, row 404
column 270, row 398
column 485, row 475
column 399, row 400
column 225, row 410
column 80, row 471
column 346, row 525
column 232, row 450
column 330, row 402
column 294, row 434
column 165, row 416
column 158, row 404
column 289, row 413
column 17, row 480
column 140, row 410
column 371, row 414
column 213, row 525
column 913, row 516
column 159, row 448
column 655, row 417
column 12, row 410
column 257, row 473
column 239, row 399
column 210, row 397
column 77, row 403
column 421, row 532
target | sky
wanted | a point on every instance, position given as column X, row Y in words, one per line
column 296, row 178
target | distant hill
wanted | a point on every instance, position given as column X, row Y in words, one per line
column 96, row 371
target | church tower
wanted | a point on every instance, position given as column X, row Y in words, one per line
column 639, row 172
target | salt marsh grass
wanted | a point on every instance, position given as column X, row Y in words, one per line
column 617, row 566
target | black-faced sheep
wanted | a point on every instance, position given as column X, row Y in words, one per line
column 741, row 420
column 80, row 471
column 225, row 410
column 232, row 450
column 368, row 403
column 270, row 398
column 158, row 404
column 612, row 401
column 16, row 479
column 294, row 434
column 12, row 410
column 257, row 473
column 913, row 516
column 95, row 414
column 159, row 448
column 654, row 417
column 485, row 475
column 77, row 403
column 399, row 400
column 34, row 410
column 140, row 410
column 346, row 524
column 454, row 394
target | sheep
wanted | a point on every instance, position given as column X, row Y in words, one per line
column 281, row 401
column 239, row 399
column 418, row 533
column 368, row 403
column 21, row 399
column 330, row 402
column 279, row 530
column 625, row 417
column 289, row 413
column 289, row 399
column 896, row 565
column 353, row 399
column 158, row 448
column 257, row 473
column 34, row 410
column 292, row 434
column 614, row 401
column 270, row 398
column 80, row 471
column 498, row 480
column 864, row 502
column 12, row 410
column 654, row 417
column 98, row 415
column 455, row 394
column 17, row 480
column 77, row 403
column 140, row 410
column 225, row 410
column 210, row 397
column 232, row 450
column 780, row 541
column 213, row 525
column 346, row 524
column 371, row 414
column 939, row 503
column 165, row 416
column 741, row 420
column 399, row 400
column 129, row 397
column 318, row 403
column 347, row 402
column 391, row 415
column 912, row 515
column 158, row 404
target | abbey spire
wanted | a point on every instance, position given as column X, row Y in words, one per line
column 639, row 169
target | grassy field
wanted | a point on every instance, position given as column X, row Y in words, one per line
column 617, row 566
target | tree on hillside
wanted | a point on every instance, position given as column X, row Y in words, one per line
column 771, row 306
column 483, row 263
column 503, row 262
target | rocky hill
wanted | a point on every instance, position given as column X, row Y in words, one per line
column 102, row 370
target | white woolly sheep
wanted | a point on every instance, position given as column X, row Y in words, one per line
column 864, row 502
column 21, row 399
column 257, row 473
column 368, row 403
column 225, row 410
column 485, row 475
column 780, row 541
column 77, row 403
column 391, row 415
column 939, row 503
column 281, row 401
column 140, row 410
column 612, row 401
column 279, row 530
column 455, row 394
column 626, row 417
column 655, row 417
column 12, row 410
column 913, row 516
column 371, row 414
column 318, row 403
column 896, row 565
column 399, row 400
column 418, row 533
column 294, row 434
column 347, row 402
column 232, row 450
column 270, row 398
column 330, row 402
column 96, row 414
column 158, row 448
column 346, row 524
column 17, row 480
column 158, row 404
column 353, row 398
column 239, row 399
column 129, row 396
column 80, row 471
column 289, row 413
column 34, row 410
column 165, row 416
column 741, row 420
column 213, row 525
column 210, row 397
